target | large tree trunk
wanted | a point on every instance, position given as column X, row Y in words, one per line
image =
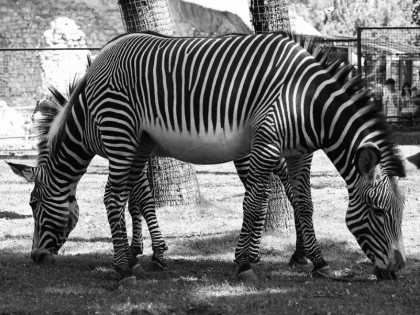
column 173, row 182
column 269, row 16
column 144, row 15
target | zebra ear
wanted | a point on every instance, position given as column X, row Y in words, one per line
column 415, row 160
column 27, row 172
column 366, row 160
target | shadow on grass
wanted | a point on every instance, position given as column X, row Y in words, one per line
column 340, row 254
column 89, row 239
column 199, row 281
column 8, row 215
column 215, row 172
column 227, row 198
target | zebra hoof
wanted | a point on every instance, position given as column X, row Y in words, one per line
column 127, row 279
column 127, row 282
column 323, row 273
column 246, row 273
column 137, row 271
column 247, row 276
column 298, row 262
column 154, row 267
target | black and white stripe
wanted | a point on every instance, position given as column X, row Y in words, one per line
column 211, row 100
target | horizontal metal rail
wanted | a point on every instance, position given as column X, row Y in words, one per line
column 18, row 137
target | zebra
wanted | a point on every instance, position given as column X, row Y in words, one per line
column 213, row 100
column 141, row 202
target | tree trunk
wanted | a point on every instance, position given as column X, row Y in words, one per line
column 173, row 182
column 269, row 16
column 153, row 15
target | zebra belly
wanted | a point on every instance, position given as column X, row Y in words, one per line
column 209, row 148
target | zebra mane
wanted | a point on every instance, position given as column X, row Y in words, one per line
column 391, row 160
column 54, row 111
column 53, row 128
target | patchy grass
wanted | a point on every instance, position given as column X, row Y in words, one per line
column 201, row 241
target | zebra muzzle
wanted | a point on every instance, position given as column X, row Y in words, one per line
column 43, row 256
column 385, row 274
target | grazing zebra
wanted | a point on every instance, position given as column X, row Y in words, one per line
column 141, row 202
column 212, row 100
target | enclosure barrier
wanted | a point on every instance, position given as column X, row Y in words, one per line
column 391, row 53
column 269, row 15
column 140, row 15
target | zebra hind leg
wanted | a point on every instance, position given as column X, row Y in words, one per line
column 263, row 159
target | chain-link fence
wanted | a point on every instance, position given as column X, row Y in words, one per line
column 269, row 15
column 173, row 183
column 389, row 61
column 379, row 54
column 153, row 15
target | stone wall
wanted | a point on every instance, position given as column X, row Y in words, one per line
column 23, row 22
column 82, row 25
column 25, row 74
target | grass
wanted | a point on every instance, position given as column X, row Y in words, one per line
column 201, row 241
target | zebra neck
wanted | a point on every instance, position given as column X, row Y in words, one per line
column 69, row 162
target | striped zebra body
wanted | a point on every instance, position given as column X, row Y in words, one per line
column 212, row 100
column 141, row 202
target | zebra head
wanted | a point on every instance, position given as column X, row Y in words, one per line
column 55, row 214
column 54, row 217
column 375, row 213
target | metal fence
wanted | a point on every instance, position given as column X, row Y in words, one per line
column 389, row 61
column 379, row 54
column 27, row 73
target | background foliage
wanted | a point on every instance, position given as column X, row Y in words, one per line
column 342, row 17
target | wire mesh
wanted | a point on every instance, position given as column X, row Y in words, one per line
column 173, row 182
column 390, row 59
column 154, row 15
column 280, row 213
column 269, row 15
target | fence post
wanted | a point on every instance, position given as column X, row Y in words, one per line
column 359, row 51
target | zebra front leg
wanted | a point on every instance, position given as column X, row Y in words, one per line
column 299, row 177
column 298, row 258
column 136, row 246
column 142, row 203
column 262, row 161
column 123, row 260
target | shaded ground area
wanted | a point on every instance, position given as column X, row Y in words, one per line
column 13, row 215
column 201, row 240
column 201, row 281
